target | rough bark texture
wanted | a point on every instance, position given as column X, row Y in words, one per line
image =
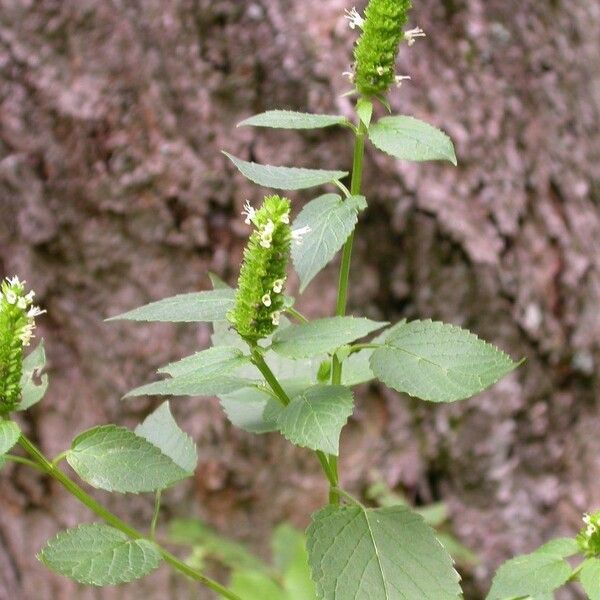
column 113, row 193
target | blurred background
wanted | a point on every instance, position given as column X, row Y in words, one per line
column 113, row 193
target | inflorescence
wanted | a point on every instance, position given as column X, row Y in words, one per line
column 377, row 48
column 17, row 324
column 259, row 300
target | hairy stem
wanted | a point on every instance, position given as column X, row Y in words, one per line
column 47, row 467
column 342, row 298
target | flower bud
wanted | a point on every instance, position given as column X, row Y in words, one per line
column 377, row 49
column 17, row 323
column 259, row 299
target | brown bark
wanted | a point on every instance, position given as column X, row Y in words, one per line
column 113, row 193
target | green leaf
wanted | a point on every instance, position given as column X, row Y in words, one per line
column 288, row 119
column 248, row 408
column 321, row 336
column 285, row 178
column 193, row 532
column 315, row 418
column 364, row 108
column 196, row 307
column 532, row 574
column 115, row 459
column 161, row 430
column 383, row 554
column 291, row 559
column 31, row 391
column 562, row 547
column 408, row 138
column 245, row 409
column 9, row 435
column 211, row 362
column 254, row 585
column 191, row 384
column 100, row 555
column 590, row 578
column 438, row 362
column 330, row 220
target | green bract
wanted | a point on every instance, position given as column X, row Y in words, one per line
column 259, row 299
column 377, row 48
column 17, row 323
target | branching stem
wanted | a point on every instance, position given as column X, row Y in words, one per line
column 47, row 467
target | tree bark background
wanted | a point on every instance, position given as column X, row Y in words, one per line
column 113, row 193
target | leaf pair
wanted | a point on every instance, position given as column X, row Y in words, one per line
column 155, row 456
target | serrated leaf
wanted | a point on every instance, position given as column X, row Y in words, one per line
column 330, row 221
column 590, row 578
column 211, row 362
column 161, row 430
column 532, row 574
column 191, row 384
column 33, row 391
column 408, row 138
column 438, row 362
column 288, row 119
column 285, row 178
column 100, row 555
column 383, row 554
column 314, row 419
column 251, row 409
column 562, row 547
column 115, row 459
column 195, row 307
column 321, row 336
column 9, row 435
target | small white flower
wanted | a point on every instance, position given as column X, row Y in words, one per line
column 354, row 19
column 249, row 212
column 26, row 333
column 14, row 281
column 285, row 218
column 412, row 34
column 35, row 311
column 298, row 234
column 266, row 300
column 278, row 285
column 29, row 296
column 401, row 78
column 22, row 303
column 381, row 70
column 266, row 236
column 275, row 317
column 11, row 297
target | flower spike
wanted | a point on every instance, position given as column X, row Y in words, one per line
column 259, row 300
column 17, row 324
column 377, row 48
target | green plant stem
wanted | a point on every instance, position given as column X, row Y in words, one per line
column 263, row 367
column 47, row 467
column 329, row 468
column 358, row 347
column 22, row 461
column 155, row 515
column 296, row 314
column 342, row 297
